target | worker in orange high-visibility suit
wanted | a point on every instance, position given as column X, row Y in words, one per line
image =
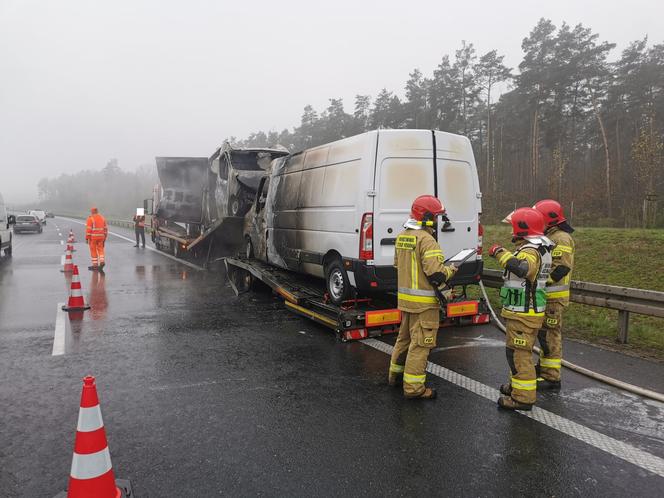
column 96, row 232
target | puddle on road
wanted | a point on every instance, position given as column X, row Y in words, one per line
column 638, row 415
column 474, row 342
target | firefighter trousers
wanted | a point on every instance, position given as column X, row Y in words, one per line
column 417, row 335
column 551, row 339
column 520, row 339
column 97, row 250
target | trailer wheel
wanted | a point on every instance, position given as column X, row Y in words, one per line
column 337, row 283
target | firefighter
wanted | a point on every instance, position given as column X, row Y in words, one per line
column 557, row 293
column 421, row 274
column 96, row 232
column 523, row 297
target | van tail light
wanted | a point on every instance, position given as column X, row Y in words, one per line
column 480, row 236
column 366, row 237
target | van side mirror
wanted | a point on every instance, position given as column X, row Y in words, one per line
column 11, row 219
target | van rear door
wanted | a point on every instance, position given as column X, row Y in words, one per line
column 458, row 189
column 405, row 170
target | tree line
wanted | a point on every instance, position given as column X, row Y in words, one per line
column 567, row 124
column 117, row 193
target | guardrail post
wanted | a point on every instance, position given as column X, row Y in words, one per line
column 623, row 326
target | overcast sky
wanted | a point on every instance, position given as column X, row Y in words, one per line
column 84, row 81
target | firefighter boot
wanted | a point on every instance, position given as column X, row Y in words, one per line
column 548, row 385
column 395, row 379
column 509, row 403
column 506, row 389
column 428, row 393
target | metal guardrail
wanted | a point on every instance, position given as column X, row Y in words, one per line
column 625, row 300
column 117, row 223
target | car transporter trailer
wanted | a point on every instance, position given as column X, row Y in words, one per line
column 353, row 319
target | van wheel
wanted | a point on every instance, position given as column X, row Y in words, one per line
column 236, row 206
column 337, row 283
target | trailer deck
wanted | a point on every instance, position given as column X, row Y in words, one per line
column 353, row 319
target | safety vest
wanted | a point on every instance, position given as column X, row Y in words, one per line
column 520, row 295
column 416, row 255
column 562, row 254
column 96, row 227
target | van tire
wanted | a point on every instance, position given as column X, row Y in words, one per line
column 337, row 283
column 237, row 207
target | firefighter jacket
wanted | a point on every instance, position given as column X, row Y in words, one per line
column 420, row 265
column 557, row 287
column 523, row 294
column 96, row 227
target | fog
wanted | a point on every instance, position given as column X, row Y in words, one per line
column 84, row 81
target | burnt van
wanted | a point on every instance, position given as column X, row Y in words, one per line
column 334, row 211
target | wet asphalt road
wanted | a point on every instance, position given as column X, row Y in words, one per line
column 205, row 394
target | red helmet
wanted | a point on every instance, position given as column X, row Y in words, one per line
column 94, row 210
column 426, row 208
column 527, row 222
column 552, row 212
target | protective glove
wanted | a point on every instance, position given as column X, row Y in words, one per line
column 494, row 249
column 447, row 293
column 454, row 268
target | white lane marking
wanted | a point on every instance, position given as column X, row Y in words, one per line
column 169, row 256
column 59, row 335
column 596, row 439
column 62, row 260
column 62, row 242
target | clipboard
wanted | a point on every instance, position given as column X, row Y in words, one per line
column 461, row 257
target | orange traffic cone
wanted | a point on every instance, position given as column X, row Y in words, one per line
column 91, row 472
column 76, row 302
column 71, row 235
column 69, row 264
column 70, row 247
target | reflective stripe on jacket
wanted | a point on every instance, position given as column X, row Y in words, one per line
column 417, row 257
column 562, row 254
column 96, row 227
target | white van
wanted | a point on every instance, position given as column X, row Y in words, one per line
column 6, row 221
column 334, row 211
column 41, row 215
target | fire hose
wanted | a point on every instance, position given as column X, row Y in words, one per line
column 646, row 393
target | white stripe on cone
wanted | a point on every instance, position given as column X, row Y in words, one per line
column 76, row 293
column 91, row 465
column 89, row 419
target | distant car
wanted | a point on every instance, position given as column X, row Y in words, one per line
column 41, row 215
column 28, row 223
column 6, row 220
column 49, row 214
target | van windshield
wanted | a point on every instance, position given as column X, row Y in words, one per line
column 26, row 218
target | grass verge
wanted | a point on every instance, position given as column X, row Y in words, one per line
column 624, row 257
